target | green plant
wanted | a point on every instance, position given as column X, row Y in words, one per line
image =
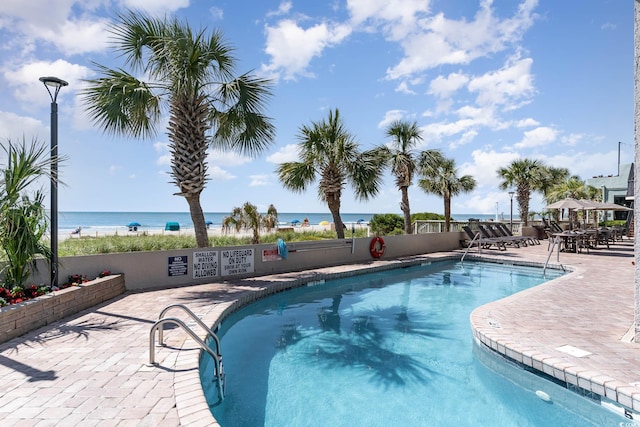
column 22, row 214
column 189, row 76
column 387, row 224
column 426, row 216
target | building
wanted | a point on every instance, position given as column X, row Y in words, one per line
column 616, row 189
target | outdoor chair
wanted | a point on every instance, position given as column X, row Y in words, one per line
column 500, row 243
column 483, row 242
column 507, row 231
column 495, row 233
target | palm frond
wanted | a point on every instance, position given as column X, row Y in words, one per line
column 121, row 104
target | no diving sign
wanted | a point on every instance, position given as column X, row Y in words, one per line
column 205, row 264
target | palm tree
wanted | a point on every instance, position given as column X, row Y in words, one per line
column 572, row 187
column 402, row 159
column 247, row 217
column 270, row 219
column 22, row 214
column 329, row 153
column 525, row 175
column 552, row 177
column 192, row 74
column 441, row 178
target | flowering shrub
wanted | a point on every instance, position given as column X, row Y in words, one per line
column 18, row 294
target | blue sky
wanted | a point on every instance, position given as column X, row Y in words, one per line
column 487, row 81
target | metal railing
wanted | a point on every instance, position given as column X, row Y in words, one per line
column 477, row 237
column 437, row 226
column 216, row 354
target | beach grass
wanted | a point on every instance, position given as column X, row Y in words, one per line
column 87, row 245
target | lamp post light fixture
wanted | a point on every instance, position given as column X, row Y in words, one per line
column 511, row 193
column 56, row 84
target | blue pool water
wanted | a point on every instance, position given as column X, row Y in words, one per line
column 385, row 349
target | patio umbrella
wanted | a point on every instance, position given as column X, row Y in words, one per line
column 572, row 204
column 568, row 203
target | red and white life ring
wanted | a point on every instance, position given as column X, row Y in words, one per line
column 377, row 247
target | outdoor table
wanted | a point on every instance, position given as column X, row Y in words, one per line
column 568, row 240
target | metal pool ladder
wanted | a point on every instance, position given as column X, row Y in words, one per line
column 476, row 237
column 216, row 354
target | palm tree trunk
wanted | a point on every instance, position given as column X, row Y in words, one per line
column 334, row 208
column 405, row 209
column 197, row 217
column 447, row 214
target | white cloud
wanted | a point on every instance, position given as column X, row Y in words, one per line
column 484, row 166
column 292, row 47
column 529, row 122
column 259, row 180
column 216, row 173
column 283, row 8
column 288, row 153
column 443, row 87
column 15, row 127
column 403, row 87
column 573, row 139
column 115, row 169
column 458, row 41
column 537, row 137
column 513, row 81
column 162, row 148
column 158, row 7
column 390, row 117
column 397, row 17
column 31, row 92
column 226, row 158
column 216, row 13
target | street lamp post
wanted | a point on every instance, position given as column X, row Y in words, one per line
column 511, row 193
column 56, row 84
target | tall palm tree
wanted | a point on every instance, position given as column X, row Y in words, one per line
column 526, row 175
column 328, row 152
column 440, row 177
column 193, row 74
column 403, row 160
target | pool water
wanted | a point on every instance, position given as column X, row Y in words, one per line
column 385, row 349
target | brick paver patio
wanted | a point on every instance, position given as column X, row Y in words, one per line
column 91, row 369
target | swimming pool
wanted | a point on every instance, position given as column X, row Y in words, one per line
column 390, row 348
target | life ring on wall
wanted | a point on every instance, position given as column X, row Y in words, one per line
column 377, row 247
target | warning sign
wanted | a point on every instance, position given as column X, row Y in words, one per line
column 270, row 255
column 177, row 265
column 236, row 261
column 205, row 264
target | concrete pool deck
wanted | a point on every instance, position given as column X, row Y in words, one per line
column 91, row 368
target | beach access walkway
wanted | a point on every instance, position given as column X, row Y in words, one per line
column 91, row 369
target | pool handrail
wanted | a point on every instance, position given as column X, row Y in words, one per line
column 477, row 236
column 193, row 317
column 215, row 355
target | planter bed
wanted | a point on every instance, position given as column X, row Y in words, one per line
column 18, row 319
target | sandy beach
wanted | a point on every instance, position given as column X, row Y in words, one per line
column 189, row 231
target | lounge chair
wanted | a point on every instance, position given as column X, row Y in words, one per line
column 485, row 242
column 529, row 239
column 489, row 233
column 500, row 231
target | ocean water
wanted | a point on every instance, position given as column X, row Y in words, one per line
column 118, row 221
